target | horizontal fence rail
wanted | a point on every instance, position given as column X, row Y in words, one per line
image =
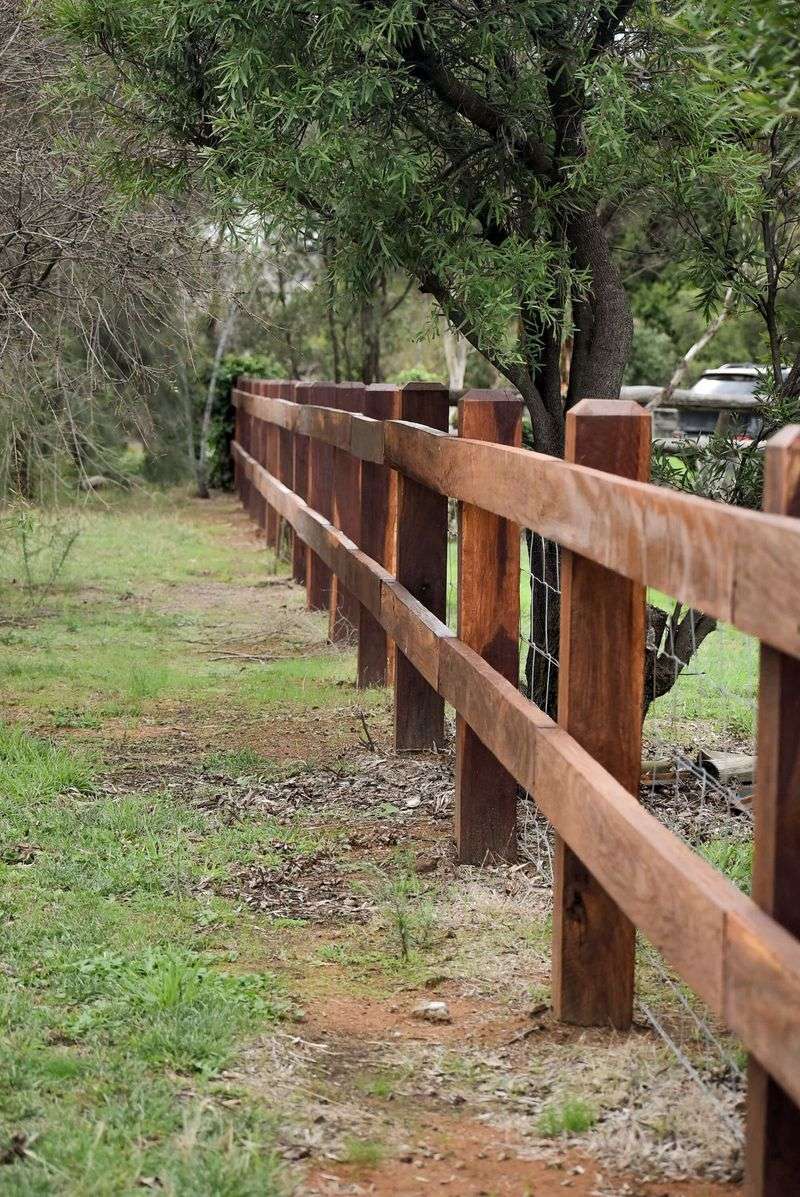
column 740, row 566
column 720, row 559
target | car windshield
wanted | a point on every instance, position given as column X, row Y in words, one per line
column 724, row 384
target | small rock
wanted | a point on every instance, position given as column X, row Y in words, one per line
column 432, row 1012
column 413, row 803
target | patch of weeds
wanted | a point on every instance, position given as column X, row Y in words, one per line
column 36, row 547
column 67, row 717
column 539, row 995
column 380, row 1086
column 734, row 858
column 239, row 762
column 149, row 681
column 462, row 1068
column 570, row 1117
column 33, row 768
column 363, row 1153
column 383, row 1085
column 169, row 1008
column 408, row 913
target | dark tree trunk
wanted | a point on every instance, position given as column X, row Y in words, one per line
column 371, row 337
column 20, row 470
column 541, row 662
column 673, row 638
column 601, row 345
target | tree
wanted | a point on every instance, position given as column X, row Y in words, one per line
column 88, row 283
column 482, row 151
column 492, row 153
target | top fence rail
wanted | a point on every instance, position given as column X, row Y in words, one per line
column 722, row 560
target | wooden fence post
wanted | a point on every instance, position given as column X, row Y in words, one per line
column 301, row 395
column 772, row 1153
column 377, row 537
column 258, row 451
column 421, row 566
column 285, row 390
column 346, row 505
column 241, row 436
column 320, row 488
column 270, row 463
column 488, row 621
column 600, row 697
column 238, row 475
column 252, row 428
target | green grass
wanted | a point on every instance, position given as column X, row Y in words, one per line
column 718, row 688
column 570, row 1117
column 122, row 995
column 734, row 858
column 363, row 1153
column 32, row 768
column 80, row 660
column 128, row 986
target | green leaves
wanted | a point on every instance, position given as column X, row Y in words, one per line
column 408, row 135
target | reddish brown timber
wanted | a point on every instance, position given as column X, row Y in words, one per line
column 421, row 568
column 320, row 487
column 772, row 1156
column 600, row 696
column 488, row 621
column 344, row 609
column 377, row 534
column 299, row 550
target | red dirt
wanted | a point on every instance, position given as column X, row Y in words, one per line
column 468, row 1159
column 473, row 1023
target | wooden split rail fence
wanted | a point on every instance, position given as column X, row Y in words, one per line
column 361, row 477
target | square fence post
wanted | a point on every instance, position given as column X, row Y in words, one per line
column 270, row 463
column 488, row 622
column 285, row 390
column 301, row 393
column 253, row 430
column 421, row 566
column 772, row 1152
column 243, row 437
column 259, row 453
column 320, row 493
column 238, row 422
column 345, row 607
column 377, row 538
column 600, row 703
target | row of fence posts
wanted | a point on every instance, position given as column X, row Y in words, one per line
column 403, row 525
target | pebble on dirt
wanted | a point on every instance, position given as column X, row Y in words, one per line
column 432, row 1012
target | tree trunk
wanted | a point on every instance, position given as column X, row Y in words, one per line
column 456, row 349
column 211, row 394
column 330, row 312
column 371, row 337
column 20, row 464
column 603, row 331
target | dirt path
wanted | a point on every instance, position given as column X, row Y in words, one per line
column 348, row 892
column 379, row 1100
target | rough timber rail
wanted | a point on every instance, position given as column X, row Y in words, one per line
column 740, row 566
